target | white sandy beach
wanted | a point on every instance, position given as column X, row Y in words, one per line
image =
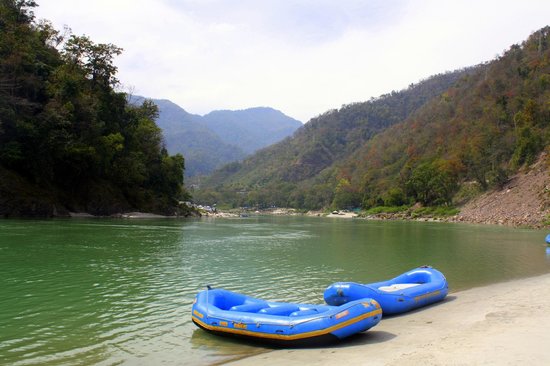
column 501, row 324
column 343, row 215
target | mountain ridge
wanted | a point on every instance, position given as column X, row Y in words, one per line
column 220, row 136
column 270, row 126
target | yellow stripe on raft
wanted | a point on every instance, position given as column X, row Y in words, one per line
column 425, row 296
column 290, row 336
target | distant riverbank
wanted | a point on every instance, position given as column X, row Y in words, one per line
column 537, row 219
column 126, row 215
column 523, row 201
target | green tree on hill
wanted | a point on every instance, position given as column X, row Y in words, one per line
column 64, row 128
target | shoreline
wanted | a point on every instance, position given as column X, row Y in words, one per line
column 123, row 215
column 503, row 324
column 527, row 221
column 383, row 217
column 291, row 212
column 400, row 216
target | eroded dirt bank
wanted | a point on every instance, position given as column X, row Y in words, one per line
column 524, row 200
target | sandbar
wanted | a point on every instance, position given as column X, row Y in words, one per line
column 501, row 324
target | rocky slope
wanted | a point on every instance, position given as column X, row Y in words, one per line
column 524, row 200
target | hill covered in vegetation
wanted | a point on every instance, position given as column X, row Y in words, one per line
column 208, row 142
column 253, row 128
column 187, row 134
column 439, row 142
column 68, row 140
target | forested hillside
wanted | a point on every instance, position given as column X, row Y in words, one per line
column 301, row 171
column 480, row 131
column 437, row 142
column 68, row 140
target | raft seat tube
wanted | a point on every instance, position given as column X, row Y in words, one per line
column 285, row 309
column 249, row 308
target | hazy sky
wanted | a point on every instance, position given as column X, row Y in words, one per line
column 301, row 56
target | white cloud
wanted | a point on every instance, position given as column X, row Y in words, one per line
column 302, row 57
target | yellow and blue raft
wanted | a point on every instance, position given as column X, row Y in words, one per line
column 413, row 289
column 228, row 313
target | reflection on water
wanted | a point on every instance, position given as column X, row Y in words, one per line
column 120, row 292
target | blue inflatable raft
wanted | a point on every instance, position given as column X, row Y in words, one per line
column 228, row 313
column 413, row 289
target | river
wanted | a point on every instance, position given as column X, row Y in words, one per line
column 114, row 291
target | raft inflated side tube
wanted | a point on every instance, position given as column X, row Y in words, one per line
column 413, row 289
column 228, row 313
column 548, row 239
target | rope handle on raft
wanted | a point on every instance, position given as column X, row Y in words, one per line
column 208, row 287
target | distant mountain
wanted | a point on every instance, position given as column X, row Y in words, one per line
column 187, row 134
column 219, row 137
column 251, row 129
column 173, row 118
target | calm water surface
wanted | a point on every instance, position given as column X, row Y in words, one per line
column 112, row 292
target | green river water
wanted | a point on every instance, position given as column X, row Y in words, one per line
column 119, row 292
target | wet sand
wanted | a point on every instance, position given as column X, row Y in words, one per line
column 502, row 324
